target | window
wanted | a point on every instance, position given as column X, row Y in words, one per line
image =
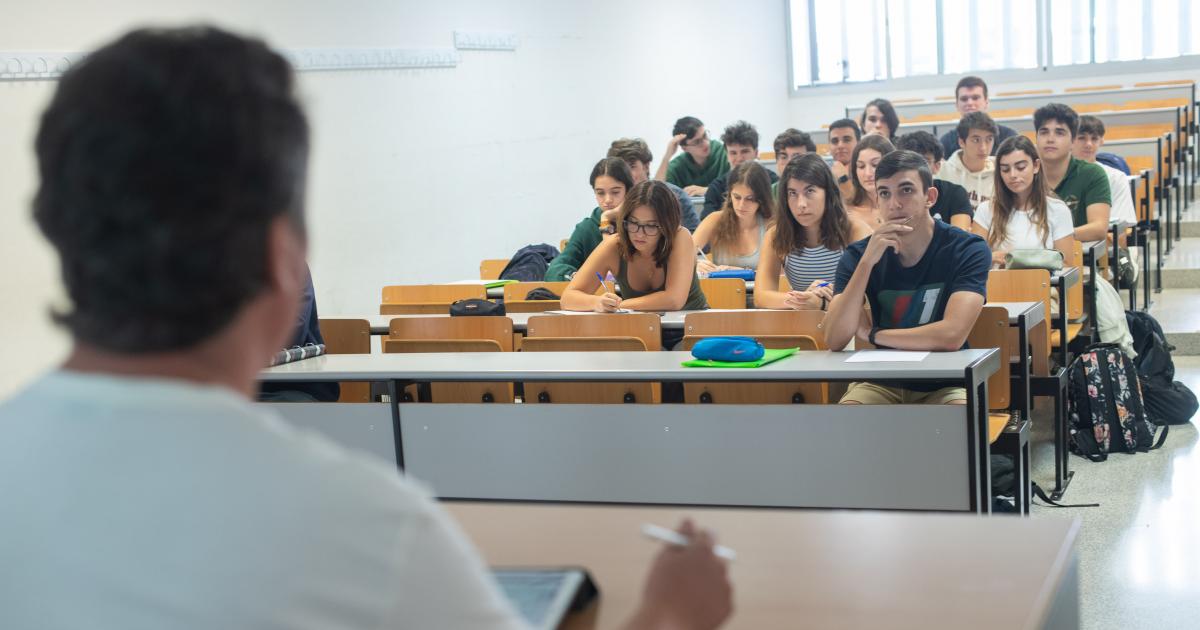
column 839, row 41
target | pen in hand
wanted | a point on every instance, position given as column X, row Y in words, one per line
column 672, row 537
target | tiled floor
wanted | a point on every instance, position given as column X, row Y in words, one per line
column 1140, row 549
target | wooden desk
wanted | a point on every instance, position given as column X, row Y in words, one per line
column 799, row 569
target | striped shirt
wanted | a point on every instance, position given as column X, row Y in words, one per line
column 810, row 264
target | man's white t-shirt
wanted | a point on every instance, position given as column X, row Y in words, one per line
column 1122, row 201
column 1022, row 234
column 152, row 503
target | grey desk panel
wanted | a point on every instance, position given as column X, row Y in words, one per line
column 820, row 456
column 1032, row 311
column 1069, row 275
column 360, row 426
column 621, row 367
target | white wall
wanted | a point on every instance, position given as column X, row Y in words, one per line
column 417, row 175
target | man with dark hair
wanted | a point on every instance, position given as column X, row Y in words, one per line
column 741, row 145
column 1086, row 147
column 636, row 154
column 971, row 95
column 1081, row 185
column 144, row 488
column 844, row 135
column 972, row 166
column 953, row 206
column 702, row 160
column 925, row 281
column 789, row 144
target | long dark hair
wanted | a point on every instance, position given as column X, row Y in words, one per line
column 1004, row 202
column 752, row 175
column 873, row 141
column 654, row 195
column 810, row 168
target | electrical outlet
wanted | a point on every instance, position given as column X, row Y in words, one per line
column 469, row 40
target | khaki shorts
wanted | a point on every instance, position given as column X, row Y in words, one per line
column 874, row 394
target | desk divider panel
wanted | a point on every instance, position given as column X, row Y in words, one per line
column 359, row 426
column 912, row 457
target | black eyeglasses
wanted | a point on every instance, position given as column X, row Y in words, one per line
column 702, row 140
column 649, row 229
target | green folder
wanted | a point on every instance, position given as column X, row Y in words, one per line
column 492, row 284
column 769, row 356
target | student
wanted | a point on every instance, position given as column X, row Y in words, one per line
column 734, row 234
column 925, row 282
column 811, row 229
column 1086, row 147
column 637, row 156
column 789, row 144
column 702, row 161
column 1023, row 214
column 972, row 165
column 953, row 206
column 866, row 156
column 1083, row 186
column 843, row 137
column 653, row 259
column 308, row 332
column 971, row 95
column 143, row 488
column 879, row 117
column 741, row 146
column 611, row 179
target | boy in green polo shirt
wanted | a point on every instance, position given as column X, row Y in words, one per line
column 702, row 160
column 1081, row 185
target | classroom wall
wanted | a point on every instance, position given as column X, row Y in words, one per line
column 417, row 175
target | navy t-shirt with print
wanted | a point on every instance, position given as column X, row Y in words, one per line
column 908, row 297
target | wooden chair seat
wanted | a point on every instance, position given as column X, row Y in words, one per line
column 996, row 424
column 490, row 268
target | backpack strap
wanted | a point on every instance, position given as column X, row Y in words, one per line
column 1162, row 437
column 1041, row 494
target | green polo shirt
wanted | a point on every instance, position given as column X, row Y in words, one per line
column 683, row 170
column 1083, row 185
column 584, row 240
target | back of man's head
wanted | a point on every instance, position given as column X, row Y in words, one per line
column 688, row 125
column 794, row 139
column 164, row 159
column 845, row 123
column 741, row 133
column 900, row 161
column 922, row 142
column 975, row 120
column 1056, row 112
column 631, row 150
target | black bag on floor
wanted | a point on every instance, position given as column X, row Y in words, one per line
column 1106, row 409
column 1167, row 401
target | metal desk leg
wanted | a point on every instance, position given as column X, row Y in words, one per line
column 394, row 388
column 980, row 451
column 1062, row 325
column 1026, row 406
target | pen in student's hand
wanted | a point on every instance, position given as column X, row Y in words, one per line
column 602, row 285
column 823, row 284
column 673, row 537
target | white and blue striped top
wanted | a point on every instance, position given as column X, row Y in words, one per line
column 807, row 265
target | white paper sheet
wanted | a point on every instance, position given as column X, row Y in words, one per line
column 885, row 356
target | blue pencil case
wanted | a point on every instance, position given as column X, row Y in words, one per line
column 731, row 349
column 744, row 274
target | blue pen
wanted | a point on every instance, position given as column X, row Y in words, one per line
column 823, row 284
column 602, row 285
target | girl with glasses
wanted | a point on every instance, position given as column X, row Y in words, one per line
column 653, row 259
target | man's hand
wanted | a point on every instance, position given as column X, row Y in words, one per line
column 688, row 587
column 886, row 236
column 998, row 257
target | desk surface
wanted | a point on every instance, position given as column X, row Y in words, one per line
column 620, row 367
column 804, row 568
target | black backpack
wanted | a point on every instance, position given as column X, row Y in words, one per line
column 1167, row 401
column 529, row 264
column 1106, row 409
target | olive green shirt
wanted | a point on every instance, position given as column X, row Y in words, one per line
column 683, row 171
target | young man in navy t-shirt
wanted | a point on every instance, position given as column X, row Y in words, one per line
column 925, row 281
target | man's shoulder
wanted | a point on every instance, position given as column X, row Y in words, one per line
column 856, row 248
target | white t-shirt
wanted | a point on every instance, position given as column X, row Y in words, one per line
column 152, row 503
column 1122, row 201
column 1024, row 235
